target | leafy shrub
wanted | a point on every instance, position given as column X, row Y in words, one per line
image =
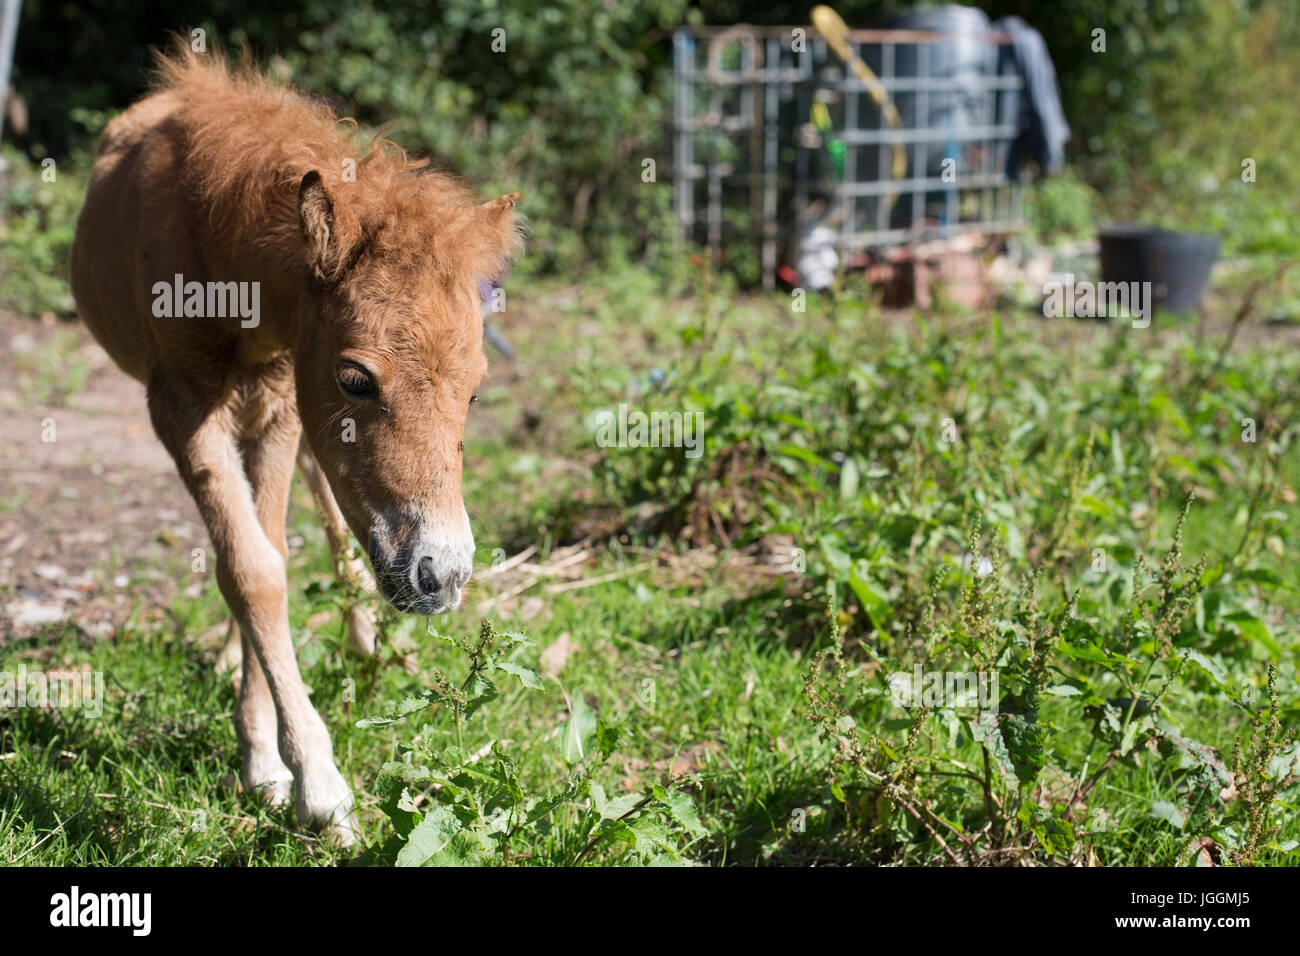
column 941, row 490
column 1062, row 207
column 37, row 224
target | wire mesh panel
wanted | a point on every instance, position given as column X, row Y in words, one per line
column 782, row 154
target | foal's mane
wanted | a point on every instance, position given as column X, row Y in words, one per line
column 249, row 140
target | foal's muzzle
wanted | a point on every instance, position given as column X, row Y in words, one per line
column 425, row 573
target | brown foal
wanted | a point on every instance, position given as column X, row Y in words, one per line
column 275, row 289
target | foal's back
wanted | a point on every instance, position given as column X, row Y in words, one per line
column 147, row 220
column 136, row 226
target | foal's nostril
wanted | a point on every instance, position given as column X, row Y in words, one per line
column 424, row 575
column 431, row 583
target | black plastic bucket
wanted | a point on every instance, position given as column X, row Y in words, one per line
column 1176, row 264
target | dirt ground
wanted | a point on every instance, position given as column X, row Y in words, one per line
column 94, row 524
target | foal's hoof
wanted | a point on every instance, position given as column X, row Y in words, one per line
column 327, row 806
column 361, row 630
column 275, row 792
column 345, row 831
column 340, row 829
column 269, row 779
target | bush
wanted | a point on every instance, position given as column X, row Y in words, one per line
column 582, row 95
column 38, row 217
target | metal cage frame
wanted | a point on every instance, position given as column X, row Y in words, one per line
column 746, row 133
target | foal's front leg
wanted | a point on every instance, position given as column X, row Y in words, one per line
column 349, row 570
column 263, row 772
column 251, row 575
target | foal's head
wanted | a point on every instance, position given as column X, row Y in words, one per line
column 389, row 362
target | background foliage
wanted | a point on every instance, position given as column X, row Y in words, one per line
column 582, row 94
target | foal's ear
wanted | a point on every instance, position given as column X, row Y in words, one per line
column 501, row 207
column 329, row 229
column 503, row 234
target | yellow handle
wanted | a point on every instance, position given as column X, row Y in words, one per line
column 836, row 31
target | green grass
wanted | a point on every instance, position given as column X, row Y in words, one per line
column 825, row 433
column 53, row 372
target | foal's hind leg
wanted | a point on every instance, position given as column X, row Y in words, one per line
column 348, row 569
column 251, row 574
column 231, row 656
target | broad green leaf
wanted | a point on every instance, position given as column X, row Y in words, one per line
column 1252, row 628
column 681, row 808
column 480, row 691
column 526, row 677
column 430, row 835
column 404, row 707
column 1085, row 652
column 1053, row 831
column 868, row 592
column 849, row 479
column 1164, row 810
column 1211, row 668
column 579, row 735
column 1024, row 739
column 393, row 786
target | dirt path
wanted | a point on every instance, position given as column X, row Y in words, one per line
column 94, row 523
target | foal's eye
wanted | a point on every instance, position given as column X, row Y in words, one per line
column 473, row 399
column 356, row 382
